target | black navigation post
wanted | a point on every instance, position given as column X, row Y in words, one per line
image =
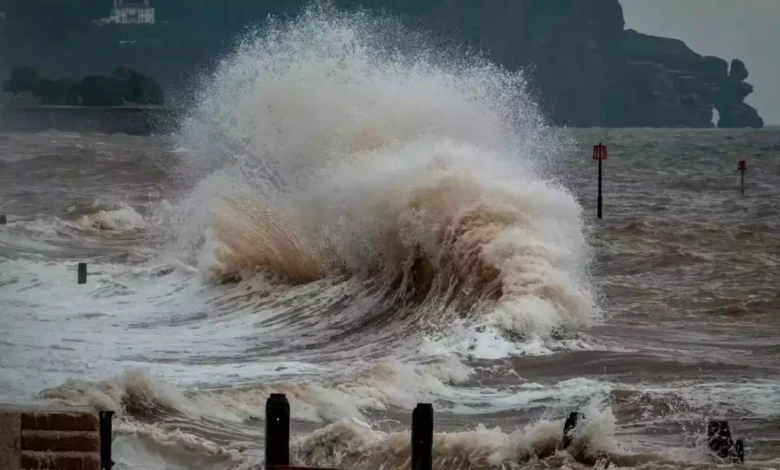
column 742, row 168
column 599, row 153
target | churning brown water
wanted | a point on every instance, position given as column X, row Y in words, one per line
column 364, row 232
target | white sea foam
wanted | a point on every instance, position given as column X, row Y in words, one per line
column 120, row 218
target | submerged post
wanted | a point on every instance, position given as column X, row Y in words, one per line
column 571, row 422
column 599, row 153
column 742, row 167
column 105, row 440
column 422, row 437
column 3, row 220
column 277, row 430
column 82, row 273
column 721, row 443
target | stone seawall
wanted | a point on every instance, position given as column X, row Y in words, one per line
column 49, row 438
column 119, row 120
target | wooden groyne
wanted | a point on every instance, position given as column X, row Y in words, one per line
column 52, row 438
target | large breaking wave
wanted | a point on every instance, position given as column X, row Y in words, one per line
column 336, row 145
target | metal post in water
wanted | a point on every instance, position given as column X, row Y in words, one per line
column 422, row 437
column 105, row 440
column 742, row 183
column 277, row 430
column 742, row 167
column 599, row 153
column 600, row 201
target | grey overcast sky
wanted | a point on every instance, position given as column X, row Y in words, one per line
column 731, row 29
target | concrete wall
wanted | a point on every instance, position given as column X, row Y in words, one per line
column 49, row 438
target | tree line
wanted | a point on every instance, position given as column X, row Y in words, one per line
column 122, row 86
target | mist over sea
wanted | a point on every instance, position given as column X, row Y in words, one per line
column 363, row 222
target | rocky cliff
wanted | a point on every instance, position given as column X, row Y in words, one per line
column 680, row 87
column 585, row 67
column 588, row 70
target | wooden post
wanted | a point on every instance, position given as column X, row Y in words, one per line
column 105, row 440
column 277, row 430
column 422, row 437
column 82, row 273
column 739, row 450
column 571, row 422
column 721, row 443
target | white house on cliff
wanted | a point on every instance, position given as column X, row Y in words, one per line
column 137, row 12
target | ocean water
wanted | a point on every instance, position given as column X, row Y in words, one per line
column 363, row 222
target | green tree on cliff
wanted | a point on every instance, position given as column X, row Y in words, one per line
column 123, row 85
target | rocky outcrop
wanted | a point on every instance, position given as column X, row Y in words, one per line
column 730, row 100
column 685, row 87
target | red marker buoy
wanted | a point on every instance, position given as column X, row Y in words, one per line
column 600, row 154
column 742, row 168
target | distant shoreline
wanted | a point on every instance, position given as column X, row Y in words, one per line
column 132, row 120
column 143, row 119
column 65, row 106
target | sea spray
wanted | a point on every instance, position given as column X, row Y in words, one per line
column 326, row 146
column 381, row 203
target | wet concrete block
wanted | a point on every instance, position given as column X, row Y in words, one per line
column 48, row 437
column 60, row 441
column 10, row 441
column 60, row 460
column 60, row 421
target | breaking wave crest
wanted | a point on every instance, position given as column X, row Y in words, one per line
column 142, row 401
column 102, row 217
column 116, row 217
column 335, row 146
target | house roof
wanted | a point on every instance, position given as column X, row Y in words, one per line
column 127, row 5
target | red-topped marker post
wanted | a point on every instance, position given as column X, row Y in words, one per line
column 600, row 154
column 742, row 168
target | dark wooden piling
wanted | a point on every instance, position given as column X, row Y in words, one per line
column 422, row 437
column 82, row 273
column 277, row 430
column 106, row 463
column 575, row 417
